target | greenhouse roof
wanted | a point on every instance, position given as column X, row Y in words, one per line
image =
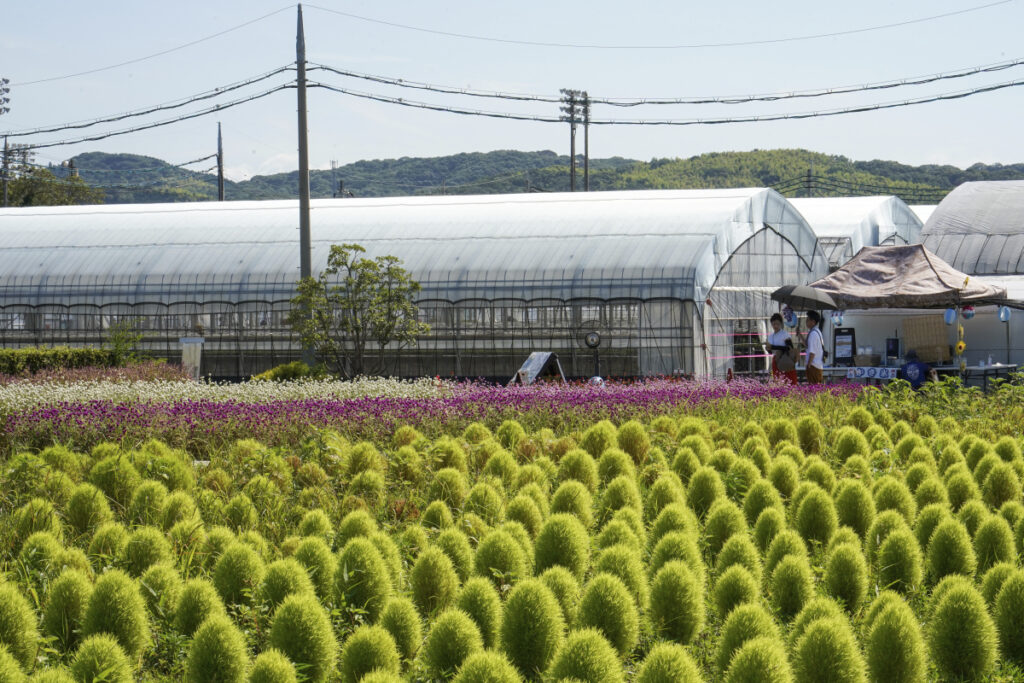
column 979, row 228
column 642, row 244
column 847, row 224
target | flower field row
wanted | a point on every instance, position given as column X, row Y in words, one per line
column 777, row 537
column 204, row 417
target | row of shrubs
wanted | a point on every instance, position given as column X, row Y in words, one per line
column 679, row 550
column 31, row 360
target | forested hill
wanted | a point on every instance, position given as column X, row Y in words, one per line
column 129, row 178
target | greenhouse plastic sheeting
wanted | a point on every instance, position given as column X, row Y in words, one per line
column 638, row 244
column 845, row 225
column 979, row 228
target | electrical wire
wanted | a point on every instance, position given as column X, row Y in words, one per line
column 712, row 99
column 690, row 46
column 155, row 54
column 177, row 104
column 165, row 122
column 672, row 122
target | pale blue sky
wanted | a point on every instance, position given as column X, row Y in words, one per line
column 43, row 40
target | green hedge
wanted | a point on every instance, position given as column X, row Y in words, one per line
column 34, row 359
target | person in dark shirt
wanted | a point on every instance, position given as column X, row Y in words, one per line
column 915, row 371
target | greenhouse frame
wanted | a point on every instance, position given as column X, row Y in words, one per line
column 675, row 282
column 844, row 225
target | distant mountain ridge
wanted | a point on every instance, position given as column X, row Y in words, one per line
column 129, row 178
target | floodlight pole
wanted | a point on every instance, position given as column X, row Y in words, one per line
column 220, row 166
column 305, row 241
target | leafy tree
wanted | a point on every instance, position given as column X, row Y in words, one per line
column 355, row 309
column 32, row 185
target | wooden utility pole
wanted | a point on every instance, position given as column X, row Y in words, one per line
column 586, row 142
column 220, row 166
column 305, row 240
column 5, row 168
column 571, row 111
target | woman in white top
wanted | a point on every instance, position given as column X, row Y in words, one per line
column 815, row 349
column 781, row 346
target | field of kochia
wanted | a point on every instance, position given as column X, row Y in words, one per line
column 839, row 538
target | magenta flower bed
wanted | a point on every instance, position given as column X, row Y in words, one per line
column 201, row 425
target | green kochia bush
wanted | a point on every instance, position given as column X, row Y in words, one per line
column 816, row 518
column 486, row 667
column 625, row 563
column 760, row 660
column 116, row 607
column 10, row 671
column 456, row 546
column 17, row 625
column 562, row 541
column 677, row 602
column 829, row 645
column 791, row 585
column 402, row 621
column 607, row 606
column 434, row 581
column 895, row 646
column 993, row 581
column 283, row 578
column 271, row 666
column 532, row 628
column 238, row 573
column 301, row 630
column 744, row 623
column 846, row 575
column 950, row 551
column 961, row 635
column 993, row 543
column 65, row 608
column 101, row 658
column 500, row 558
column 566, row 590
column 218, row 653
column 452, row 638
column 855, row 507
column 705, row 488
column 161, row 589
column 199, row 600
column 736, row 586
column 816, row 608
column 145, row 547
column 87, row 509
column 1009, row 614
column 369, row 648
column 479, row 599
column 724, row 519
column 572, row 497
column 315, row 555
column 899, row 562
column 668, row 662
column 586, row 655
column 361, row 579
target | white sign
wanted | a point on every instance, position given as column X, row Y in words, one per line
column 871, row 373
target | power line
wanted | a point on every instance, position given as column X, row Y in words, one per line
column 165, row 122
column 713, row 99
column 673, row 122
column 690, row 46
column 155, row 54
column 176, row 104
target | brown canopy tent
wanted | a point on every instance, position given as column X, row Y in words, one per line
column 907, row 276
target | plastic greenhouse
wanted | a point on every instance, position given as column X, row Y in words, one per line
column 846, row 224
column 674, row 281
column 979, row 229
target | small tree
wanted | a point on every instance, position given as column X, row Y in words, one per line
column 356, row 302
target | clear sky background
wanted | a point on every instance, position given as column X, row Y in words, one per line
column 43, row 40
